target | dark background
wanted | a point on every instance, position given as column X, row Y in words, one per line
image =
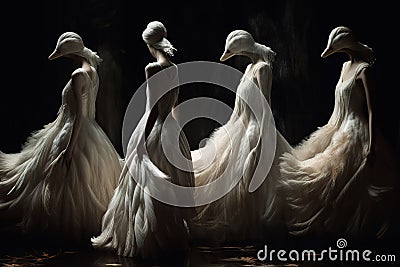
column 303, row 85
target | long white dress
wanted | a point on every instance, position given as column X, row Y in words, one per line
column 65, row 202
column 240, row 216
column 136, row 224
column 332, row 190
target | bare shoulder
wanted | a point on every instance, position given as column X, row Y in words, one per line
column 78, row 80
column 366, row 69
column 365, row 77
column 365, row 72
column 152, row 68
column 263, row 68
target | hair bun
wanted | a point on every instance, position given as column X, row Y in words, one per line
column 154, row 32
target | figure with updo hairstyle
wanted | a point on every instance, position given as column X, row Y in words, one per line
column 137, row 224
column 236, row 150
column 61, row 182
column 339, row 181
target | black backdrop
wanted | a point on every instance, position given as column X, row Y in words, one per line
column 303, row 85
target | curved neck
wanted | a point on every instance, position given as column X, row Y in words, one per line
column 81, row 61
column 161, row 57
column 255, row 58
column 86, row 64
column 353, row 56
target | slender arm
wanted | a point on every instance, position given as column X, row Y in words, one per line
column 368, row 87
column 264, row 79
column 150, row 70
column 78, row 82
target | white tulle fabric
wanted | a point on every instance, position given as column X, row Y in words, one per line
column 66, row 201
column 136, row 224
column 331, row 189
column 240, row 216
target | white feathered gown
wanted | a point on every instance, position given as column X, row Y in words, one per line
column 241, row 216
column 136, row 224
column 331, row 189
column 63, row 201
